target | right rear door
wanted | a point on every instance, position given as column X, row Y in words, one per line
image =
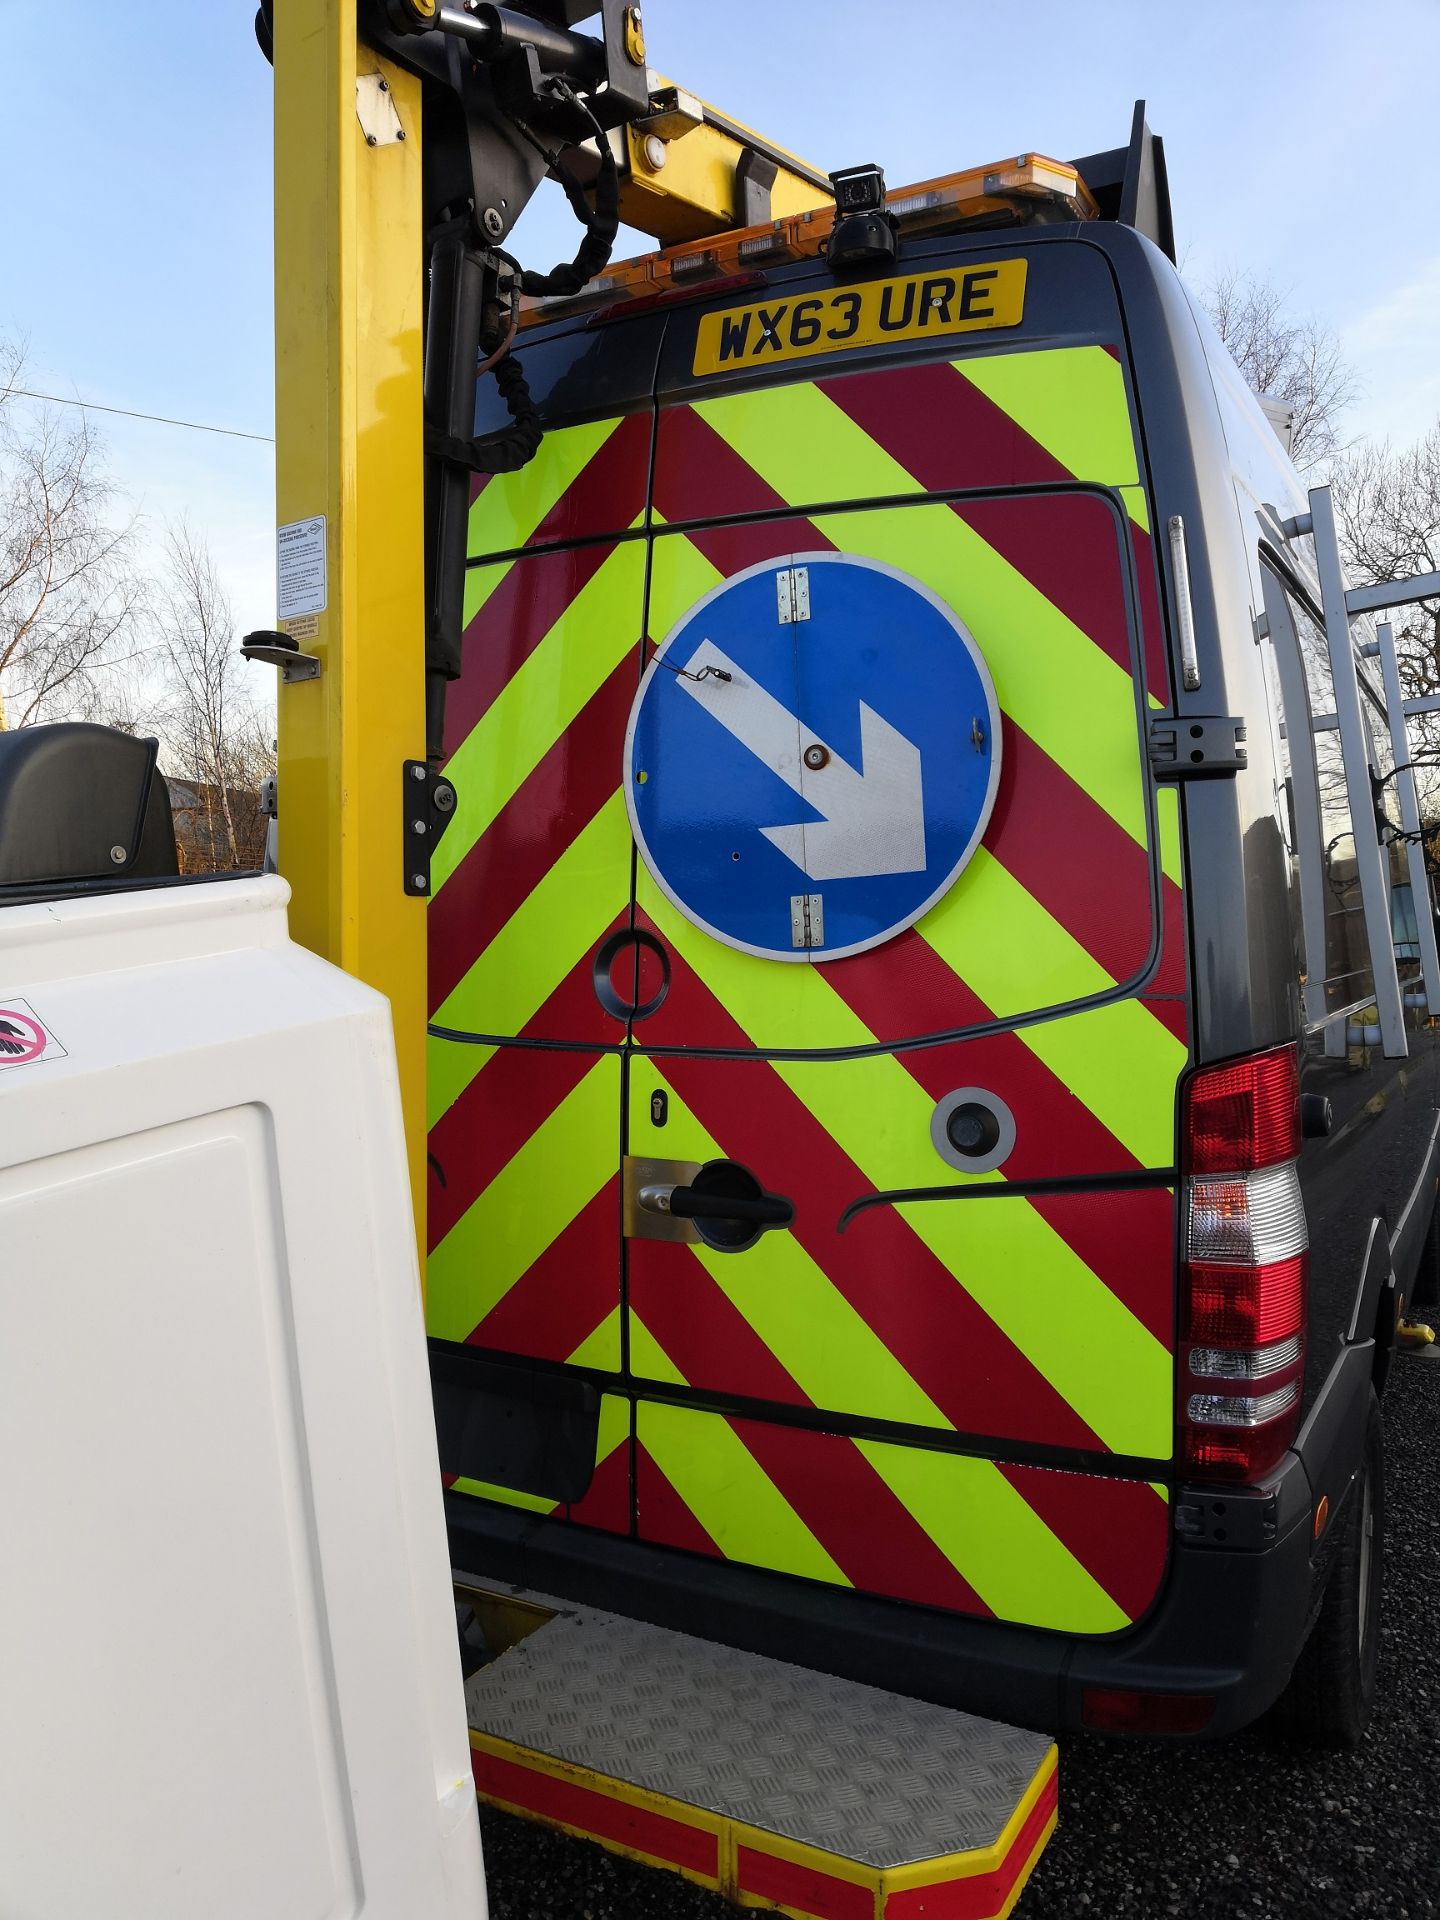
column 949, row 1387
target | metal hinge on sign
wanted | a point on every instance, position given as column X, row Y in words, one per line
column 1196, row 746
column 429, row 809
column 792, row 594
column 807, row 920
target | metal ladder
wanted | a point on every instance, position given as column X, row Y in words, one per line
column 1340, row 607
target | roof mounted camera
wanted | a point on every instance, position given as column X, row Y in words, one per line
column 864, row 234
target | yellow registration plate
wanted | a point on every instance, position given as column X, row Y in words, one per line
column 918, row 306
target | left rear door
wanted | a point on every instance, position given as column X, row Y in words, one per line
column 528, row 927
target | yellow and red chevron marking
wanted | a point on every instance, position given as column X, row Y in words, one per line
column 1042, row 1319
column 758, row 1868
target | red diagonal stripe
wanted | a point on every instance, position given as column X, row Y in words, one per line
column 943, row 1339
column 530, row 833
column 1125, row 1239
column 875, row 1541
column 538, row 589
column 1072, row 857
column 1067, row 545
column 698, row 474
column 606, row 496
column 605, row 1503
column 515, row 1090
column 943, row 430
column 662, row 1515
column 1119, row 1530
column 560, row 1300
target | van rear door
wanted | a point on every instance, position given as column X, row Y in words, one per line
column 950, row 1380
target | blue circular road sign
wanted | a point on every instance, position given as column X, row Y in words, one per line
column 812, row 756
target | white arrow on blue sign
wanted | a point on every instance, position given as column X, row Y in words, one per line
column 812, row 756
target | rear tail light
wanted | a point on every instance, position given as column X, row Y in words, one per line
column 1246, row 1267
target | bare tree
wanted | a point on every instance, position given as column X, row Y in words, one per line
column 1387, row 506
column 67, row 597
column 216, row 738
column 1296, row 361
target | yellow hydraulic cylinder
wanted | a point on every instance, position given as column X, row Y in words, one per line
column 349, row 508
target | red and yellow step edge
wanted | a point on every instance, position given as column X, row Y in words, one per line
column 761, row 1869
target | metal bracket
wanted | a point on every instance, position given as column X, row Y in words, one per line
column 1195, row 746
column 643, row 1215
column 429, row 801
column 282, row 651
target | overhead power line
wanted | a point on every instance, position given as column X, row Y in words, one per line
column 129, row 413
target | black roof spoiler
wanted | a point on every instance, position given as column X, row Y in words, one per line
column 1130, row 184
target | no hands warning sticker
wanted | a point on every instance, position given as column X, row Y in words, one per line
column 25, row 1040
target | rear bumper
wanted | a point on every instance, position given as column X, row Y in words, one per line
column 1230, row 1622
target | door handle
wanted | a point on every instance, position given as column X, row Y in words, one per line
column 722, row 1204
column 694, row 1203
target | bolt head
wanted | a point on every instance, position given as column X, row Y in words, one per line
column 418, row 826
column 816, row 757
column 653, row 152
column 444, row 797
column 493, row 222
column 417, row 772
column 117, row 854
column 419, row 882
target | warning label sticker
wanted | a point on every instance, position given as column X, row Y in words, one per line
column 300, row 568
column 25, row 1040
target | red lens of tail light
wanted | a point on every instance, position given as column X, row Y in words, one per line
column 1244, row 1115
column 1245, row 1273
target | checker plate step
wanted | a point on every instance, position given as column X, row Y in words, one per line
column 776, row 1785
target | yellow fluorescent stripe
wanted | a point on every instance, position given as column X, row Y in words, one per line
column 480, row 583
column 595, row 632
column 614, row 1426
column 1119, row 1060
column 737, row 1503
column 1167, row 808
column 512, row 505
column 507, row 1496
column 602, row 1347
column 588, row 886
column 798, row 1313
column 996, row 1540
column 1067, row 1322
column 560, row 1168
column 679, row 575
column 450, row 1066
column 1070, row 399
column 1137, row 506
column 807, row 448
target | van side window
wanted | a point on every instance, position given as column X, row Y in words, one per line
column 1340, row 973
column 1281, row 698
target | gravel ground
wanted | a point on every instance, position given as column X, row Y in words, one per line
column 1212, row 1833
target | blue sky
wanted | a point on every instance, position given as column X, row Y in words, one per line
column 135, row 147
